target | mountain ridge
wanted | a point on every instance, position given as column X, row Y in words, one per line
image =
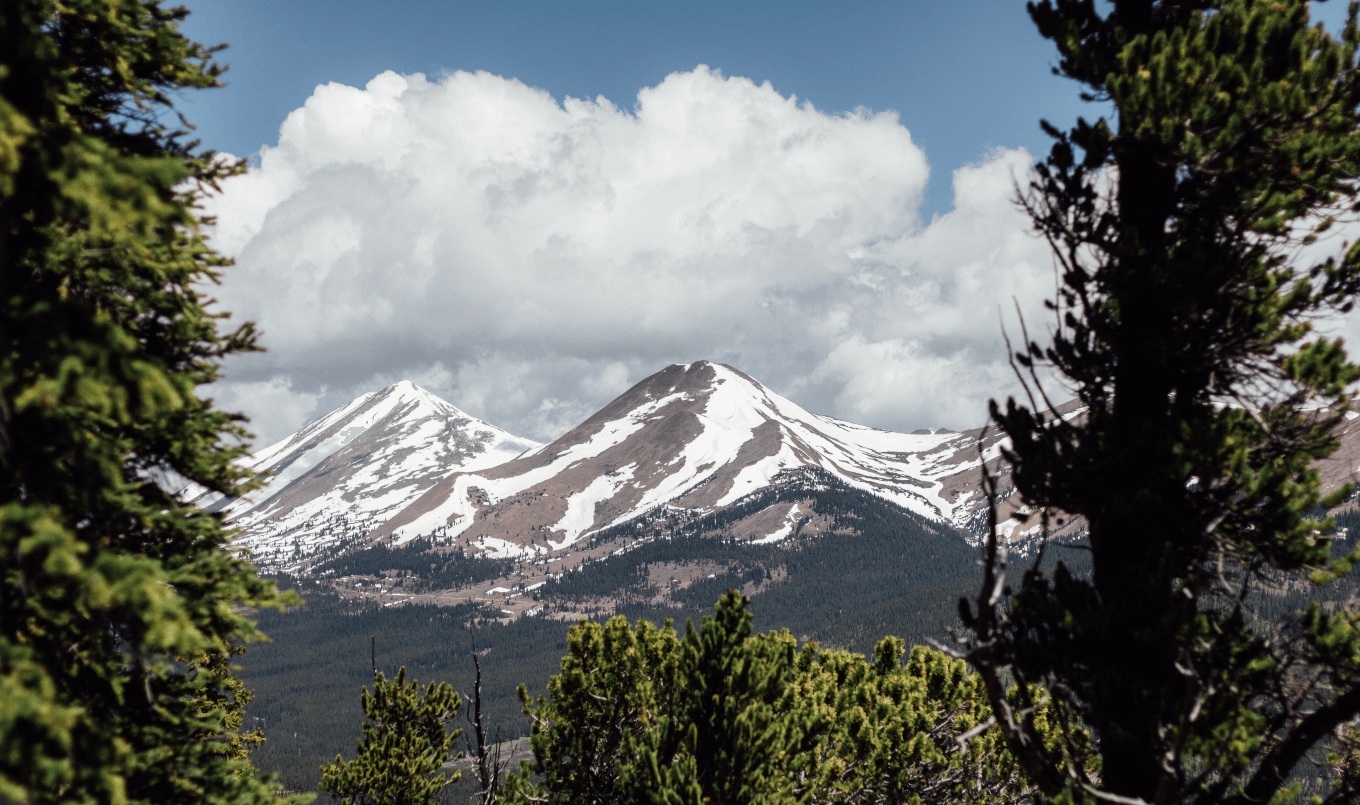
column 344, row 473
column 695, row 436
column 401, row 463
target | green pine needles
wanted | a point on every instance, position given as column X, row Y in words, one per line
column 403, row 749
column 1188, row 234
column 107, row 576
column 719, row 715
column 223, row 695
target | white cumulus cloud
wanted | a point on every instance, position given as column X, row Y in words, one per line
column 529, row 259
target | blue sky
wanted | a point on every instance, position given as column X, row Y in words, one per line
column 965, row 76
column 528, row 258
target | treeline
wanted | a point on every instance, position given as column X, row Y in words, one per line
column 307, row 679
column 434, row 570
column 846, row 590
column 877, row 569
column 895, row 576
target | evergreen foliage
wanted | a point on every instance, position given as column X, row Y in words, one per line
column 1346, row 761
column 919, row 731
column 402, row 752
column 223, row 693
column 304, row 680
column 1184, row 325
column 613, row 682
column 107, row 577
column 718, row 715
column 437, row 570
column 734, row 730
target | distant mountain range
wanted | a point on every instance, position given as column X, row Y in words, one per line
column 699, row 438
column 401, row 463
column 404, row 478
column 695, row 481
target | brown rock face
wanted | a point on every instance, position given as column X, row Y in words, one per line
column 696, row 437
column 690, row 440
column 342, row 476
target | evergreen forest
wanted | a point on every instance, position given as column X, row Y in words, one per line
column 897, row 576
column 843, row 591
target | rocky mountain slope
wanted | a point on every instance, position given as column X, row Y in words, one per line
column 687, row 442
column 400, row 496
column 338, row 479
column 697, row 438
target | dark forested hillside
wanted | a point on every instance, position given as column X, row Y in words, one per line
column 307, row 680
column 436, row 570
column 876, row 570
column 894, row 574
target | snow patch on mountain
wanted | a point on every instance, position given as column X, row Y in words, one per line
column 785, row 531
column 349, row 471
column 580, row 514
column 711, row 436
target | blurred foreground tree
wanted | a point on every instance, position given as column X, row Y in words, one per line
column 1187, row 236
column 107, row 577
column 222, row 691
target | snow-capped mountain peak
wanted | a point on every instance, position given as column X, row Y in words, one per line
column 695, row 436
column 347, row 472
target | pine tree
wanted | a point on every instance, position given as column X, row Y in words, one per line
column 403, row 751
column 225, row 696
column 733, row 733
column 1346, row 762
column 919, row 731
column 614, row 682
column 1183, row 232
column 107, row 577
column 642, row 714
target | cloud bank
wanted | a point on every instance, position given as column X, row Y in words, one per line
column 529, row 259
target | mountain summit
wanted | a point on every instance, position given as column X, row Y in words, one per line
column 345, row 474
column 696, row 454
column 697, row 437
